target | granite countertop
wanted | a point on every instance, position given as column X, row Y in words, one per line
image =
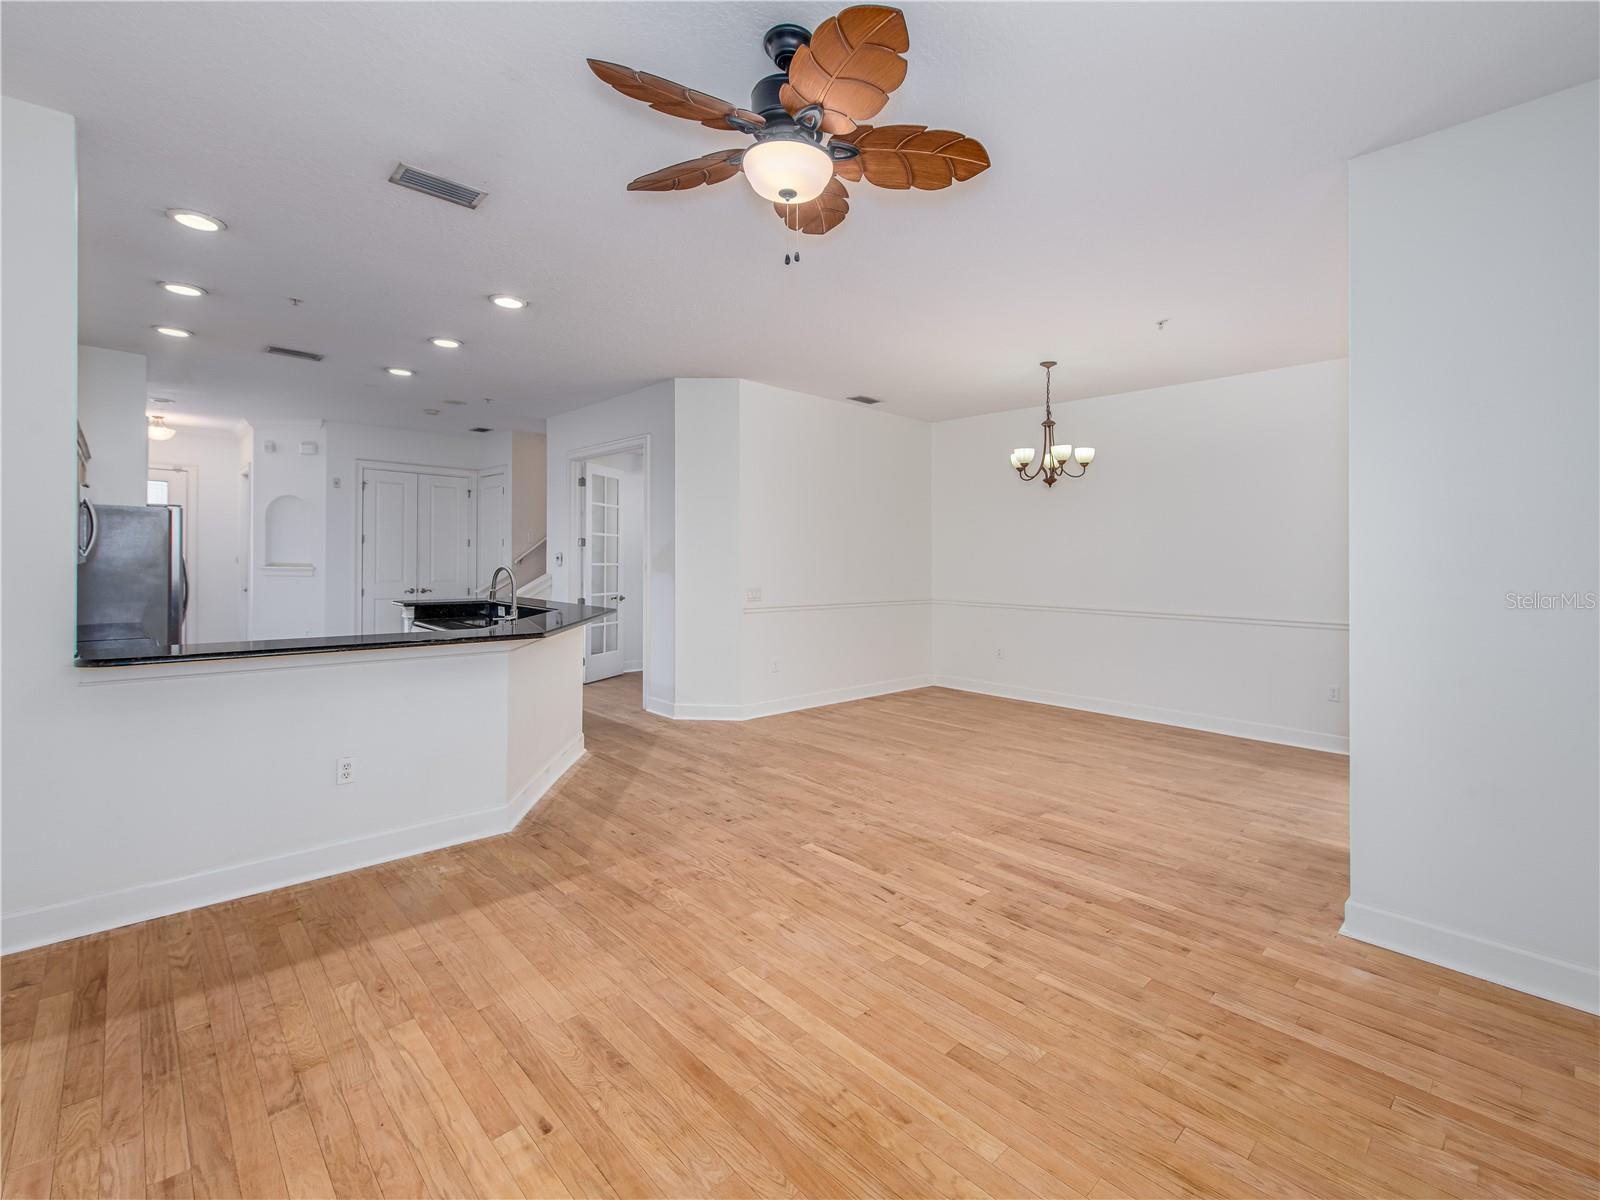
column 543, row 618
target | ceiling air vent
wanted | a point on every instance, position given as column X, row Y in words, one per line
column 437, row 186
column 481, row 429
column 308, row 355
column 864, row 399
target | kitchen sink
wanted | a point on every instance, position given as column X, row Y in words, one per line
column 442, row 616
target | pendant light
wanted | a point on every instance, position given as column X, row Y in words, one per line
column 1055, row 457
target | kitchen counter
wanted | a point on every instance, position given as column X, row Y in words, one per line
column 540, row 619
column 225, row 770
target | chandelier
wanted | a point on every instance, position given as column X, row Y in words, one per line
column 1053, row 465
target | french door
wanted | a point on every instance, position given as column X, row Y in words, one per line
column 602, row 540
column 416, row 542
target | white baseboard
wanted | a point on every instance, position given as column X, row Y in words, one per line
column 1309, row 739
column 770, row 708
column 1555, row 979
column 32, row 927
column 532, row 792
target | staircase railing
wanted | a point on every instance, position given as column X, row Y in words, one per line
column 517, row 562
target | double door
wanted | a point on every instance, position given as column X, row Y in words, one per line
column 416, row 542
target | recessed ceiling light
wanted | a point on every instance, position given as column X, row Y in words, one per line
column 173, row 331
column 183, row 289
column 190, row 219
column 432, row 412
column 160, row 399
column 446, row 343
column 509, row 301
column 403, row 372
column 461, row 402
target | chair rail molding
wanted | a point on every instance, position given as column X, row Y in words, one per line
column 1151, row 614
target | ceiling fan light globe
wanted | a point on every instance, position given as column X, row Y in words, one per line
column 780, row 166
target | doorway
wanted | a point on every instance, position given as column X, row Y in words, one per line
column 494, row 526
column 174, row 487
column 611, row 515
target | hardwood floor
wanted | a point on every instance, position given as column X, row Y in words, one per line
column 931, row 944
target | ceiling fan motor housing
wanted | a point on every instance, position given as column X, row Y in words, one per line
column 781, row 41
column 764, row 98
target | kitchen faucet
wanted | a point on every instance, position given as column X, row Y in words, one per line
column 494, row 582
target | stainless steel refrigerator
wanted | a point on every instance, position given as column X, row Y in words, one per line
column 133, row 590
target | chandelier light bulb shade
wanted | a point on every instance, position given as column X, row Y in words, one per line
column 787, row 170
column 1056, row 456
column 159, row 430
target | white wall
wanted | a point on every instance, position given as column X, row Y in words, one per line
column 646, row 414
column 818, row 506
column 211, row 457
column 1474, row 833
column 287, row 597
column 707, row 511
column 111, row 409
column 38, row 478
column 835, row 535
column 1195, row 577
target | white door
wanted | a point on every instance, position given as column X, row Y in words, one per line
column 494, row 537
column 602, row 539
column 172, row 486
column 446, row 525
column 388, row 547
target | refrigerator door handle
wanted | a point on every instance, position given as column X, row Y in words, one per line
column 87, row 517
column 183, row 580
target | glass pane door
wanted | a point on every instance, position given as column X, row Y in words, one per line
column 604, row 566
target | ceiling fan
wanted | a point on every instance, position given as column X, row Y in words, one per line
column 807, row 122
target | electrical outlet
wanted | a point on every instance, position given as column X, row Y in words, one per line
column 999, row 653
column 345, row 772
column 774, row 666
column 1333, row 695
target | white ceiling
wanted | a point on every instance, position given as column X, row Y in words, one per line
column 1181, row 161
